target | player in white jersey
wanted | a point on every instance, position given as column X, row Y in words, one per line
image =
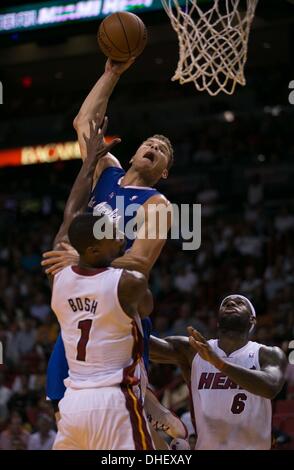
column 232, row 379
column 98, row 309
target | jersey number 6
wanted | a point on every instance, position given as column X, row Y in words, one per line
column 84, row 326
column 238, row 404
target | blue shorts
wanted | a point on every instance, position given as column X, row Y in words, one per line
column 57, row 369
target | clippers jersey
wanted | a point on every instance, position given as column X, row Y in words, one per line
column 228, row 417
column 111, row 198
column 103, row 345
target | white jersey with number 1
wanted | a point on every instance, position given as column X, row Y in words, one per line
column 99, row 338
column 226, row 416
column 102, row 408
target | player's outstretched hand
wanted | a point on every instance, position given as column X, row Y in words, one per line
column 118, row 68
column 95, row 143
column 54, row 261
column 202, row 347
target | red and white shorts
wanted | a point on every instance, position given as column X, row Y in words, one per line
column 107, row 418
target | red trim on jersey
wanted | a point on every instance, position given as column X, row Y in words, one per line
column 192, row 411
column 87, row 271
column 141, row 436
column 128, row 372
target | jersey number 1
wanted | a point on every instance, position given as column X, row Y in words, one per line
column 84, row 326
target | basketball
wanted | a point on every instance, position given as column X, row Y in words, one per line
column 121, row 36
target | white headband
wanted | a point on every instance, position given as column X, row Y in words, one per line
column 252, row 309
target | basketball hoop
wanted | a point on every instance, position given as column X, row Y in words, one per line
column 213, row 44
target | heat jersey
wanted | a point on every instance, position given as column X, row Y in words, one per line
column 228, row 417
column 103, row 345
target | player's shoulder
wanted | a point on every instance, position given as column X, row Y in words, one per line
column 133, row 278
column 271, row 355
column 131, row 286
column 64, row 272
column 157, row 199
column 108, row 164
column 110, row 161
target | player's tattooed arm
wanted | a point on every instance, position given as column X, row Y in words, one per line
column 134, row 295
column 266, row 382
column 79, row 195
column 97, row 101
column 151, row 236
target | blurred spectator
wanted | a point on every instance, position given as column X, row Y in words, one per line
column 43, row 439
column 40, row 309
column 284, row 221
column 185, row 319
column 5, row 394
column 255, row 191
column 185, row 279
column 26, row 337
column 15, row 437
column 251, row 282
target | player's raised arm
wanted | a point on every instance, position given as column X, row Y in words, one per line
column 155, row 223
column 97, row 101
column 266, row 382
column 79, row 195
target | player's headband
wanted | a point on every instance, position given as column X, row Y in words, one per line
column 252, row 309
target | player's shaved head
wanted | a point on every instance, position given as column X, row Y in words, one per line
column 80, row 232
column 96, row 239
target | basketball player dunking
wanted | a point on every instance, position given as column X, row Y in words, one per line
column 232, row 379
column 150, row 163
column 98, row 310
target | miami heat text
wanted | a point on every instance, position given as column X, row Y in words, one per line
column 148, row 459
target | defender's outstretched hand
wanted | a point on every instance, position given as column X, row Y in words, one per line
column 118, row 68
column 95, row 143
column 202, row 347
column 56, row 260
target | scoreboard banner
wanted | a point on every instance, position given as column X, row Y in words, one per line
column 54, row 13
column 47, row 153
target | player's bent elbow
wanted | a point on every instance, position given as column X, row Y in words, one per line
column 76, row 123
column 272, row 391
column 80, row 122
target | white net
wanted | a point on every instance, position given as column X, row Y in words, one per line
column 213, row 42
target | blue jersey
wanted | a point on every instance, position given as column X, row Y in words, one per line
column 104, row 197
column 109, row 197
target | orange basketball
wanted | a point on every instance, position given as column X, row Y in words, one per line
column 122, row 35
